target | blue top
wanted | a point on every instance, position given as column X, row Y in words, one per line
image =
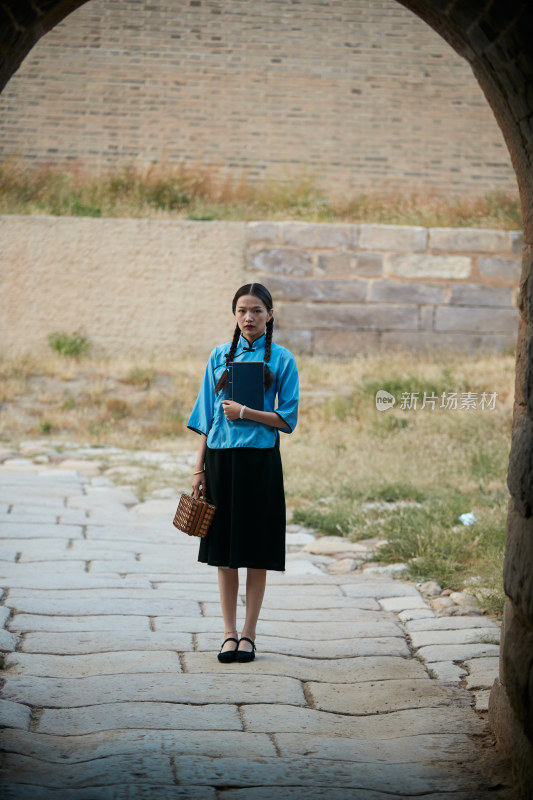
column 208, row 416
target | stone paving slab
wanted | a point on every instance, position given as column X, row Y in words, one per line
column 131, row 591
column 69, row 554
column 482, row 672
column 8, row 641
column 290, row 719
column 75, row 748
column 144, row 716
column 145, row 791
column 459, row 636
column 336, row 604
column 96, row 497
column 350, row 584
column 27, row 530
column 110, row 515
column 450, row 623
column 69, row 580
column 481, row 680
column 380, row 589
column 402, row 603
column 381, row 696
column 72, row 516
column 456, row 652
column 131, row 662
column 121, row 530
column 367, row 626
column 101, row 642
column 331, row 648
column 55, row 548
column 138, row 769
column 482, row 698
column 157, row 568
column 33, row 508
column 143, row 548
column 415, row 613
column 44, row 500
column 402, row 750
column 337, row 793
column 41, row 483
column 29, row 516
column 68, row 606
column 14, row 715
column 22, row 623
column 32, row 568
column 340, row 670
column 447, row 671
column 410, row 779
column 345, row 609
column 326, row 588
column 154, row 687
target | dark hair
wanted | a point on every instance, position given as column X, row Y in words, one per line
column 262, row 293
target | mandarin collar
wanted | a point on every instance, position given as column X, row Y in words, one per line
column 245, row 345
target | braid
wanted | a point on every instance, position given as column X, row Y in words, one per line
column 269, row 377
column 223, row 380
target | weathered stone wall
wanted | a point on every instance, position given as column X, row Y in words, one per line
column 361, row 92
column 343, row 289
column 511, row 700
column 164, row 286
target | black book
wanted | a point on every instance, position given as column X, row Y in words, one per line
column 246, row 383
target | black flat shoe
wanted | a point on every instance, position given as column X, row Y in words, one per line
column 245, row 655
column 228, row 656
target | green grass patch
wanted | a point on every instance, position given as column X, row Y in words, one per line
column 424, row 530
column 74, row 345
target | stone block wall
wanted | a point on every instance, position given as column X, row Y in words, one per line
column 361, row 93
column 344, row 289
column 166, row 286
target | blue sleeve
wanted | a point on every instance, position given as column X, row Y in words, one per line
column 202, row 414
column 288, row 393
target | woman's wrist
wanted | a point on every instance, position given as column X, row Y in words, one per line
column 198, row 471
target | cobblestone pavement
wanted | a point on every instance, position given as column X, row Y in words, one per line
column 112, row 689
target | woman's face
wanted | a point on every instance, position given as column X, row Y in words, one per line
column 252, row 316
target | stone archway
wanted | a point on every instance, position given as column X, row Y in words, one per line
column 494, row 36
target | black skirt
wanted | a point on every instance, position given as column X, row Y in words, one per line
column 248, row 529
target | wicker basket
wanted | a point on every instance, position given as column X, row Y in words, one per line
column 193, row 516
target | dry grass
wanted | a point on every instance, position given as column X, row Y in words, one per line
column 203, row 192
column 352, row 440
column 343, row 454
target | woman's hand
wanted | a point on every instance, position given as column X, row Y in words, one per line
column 231, row 409
column 197, row 482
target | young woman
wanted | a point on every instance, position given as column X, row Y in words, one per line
column 239, row 465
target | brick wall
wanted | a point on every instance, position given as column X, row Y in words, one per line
column 166, row 286
column 361, row 92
